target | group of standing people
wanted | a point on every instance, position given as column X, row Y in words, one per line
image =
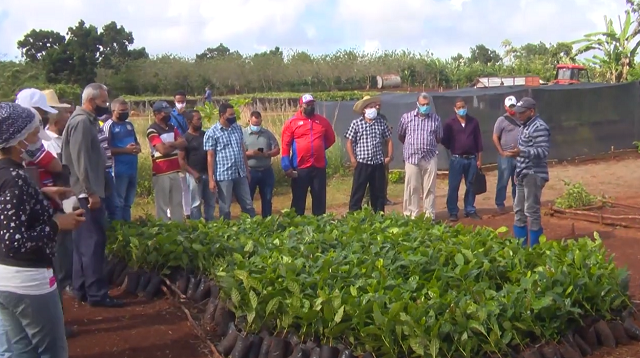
column 521, row 137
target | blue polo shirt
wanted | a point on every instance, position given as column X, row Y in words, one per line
column 179, row 122
column 120, row 135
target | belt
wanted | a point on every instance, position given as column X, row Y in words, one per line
column 259, row 169
column 464, row 156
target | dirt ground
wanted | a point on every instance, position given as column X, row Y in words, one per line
column 157, row 329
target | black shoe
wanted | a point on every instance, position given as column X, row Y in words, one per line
column 69, row 332
column 453, row 217
column 473, row 216
column 389, row 203
column 81, row 298
column 107, row 303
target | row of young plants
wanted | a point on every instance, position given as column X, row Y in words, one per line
column 384, row 285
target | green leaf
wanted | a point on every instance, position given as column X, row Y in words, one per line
column 338, row 318
column 459, row 259
column 253, row 299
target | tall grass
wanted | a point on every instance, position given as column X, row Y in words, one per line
column 273, row 118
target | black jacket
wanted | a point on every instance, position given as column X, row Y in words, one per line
column 27, row 229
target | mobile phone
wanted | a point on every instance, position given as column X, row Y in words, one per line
column 261, row 150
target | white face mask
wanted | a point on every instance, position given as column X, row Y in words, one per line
column 180, row 105
column 370, row 113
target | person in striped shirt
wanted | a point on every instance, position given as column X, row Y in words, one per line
column 532, row 172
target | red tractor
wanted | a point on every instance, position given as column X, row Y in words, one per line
column 570, row 74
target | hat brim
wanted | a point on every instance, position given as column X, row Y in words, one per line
column 363, row 103
column 521, row 109
column 47, row 108
column 61, row 105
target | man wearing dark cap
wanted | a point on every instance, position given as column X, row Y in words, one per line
column 165, row 141
column 532, row 172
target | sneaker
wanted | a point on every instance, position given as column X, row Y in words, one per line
column 473, row 216
column 453, row 217
column 502, row 210
column 389, row 203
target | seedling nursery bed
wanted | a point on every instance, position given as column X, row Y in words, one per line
column 368, row 285
column 606, row 212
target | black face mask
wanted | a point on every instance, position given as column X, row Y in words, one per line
column 309, row 111
column 166, row 118
column 123, row 116
column 231, row 120
column 101, row 111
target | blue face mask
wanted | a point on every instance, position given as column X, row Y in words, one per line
column 462, row 112
column 424, row 109
column 254, row 128
column 231, row 120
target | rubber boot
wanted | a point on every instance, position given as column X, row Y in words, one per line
column 534, row 236
column 520, row 233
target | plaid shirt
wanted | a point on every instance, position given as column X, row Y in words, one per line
column 229, row 155
column 421, row 136
column 534, row 142
column 367, row 138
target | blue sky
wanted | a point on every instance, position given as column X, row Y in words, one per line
column 445, row 27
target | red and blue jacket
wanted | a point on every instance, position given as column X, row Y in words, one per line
column 305, row 140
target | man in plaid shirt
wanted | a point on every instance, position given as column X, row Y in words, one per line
column 365, row 138
column 227, row 163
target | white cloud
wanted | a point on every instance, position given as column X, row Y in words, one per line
column 187, row 27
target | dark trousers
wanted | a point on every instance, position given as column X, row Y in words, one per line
column 63, row 261
column 89, row 244
column 263, row 180
column 371, row 178
column 309, row 179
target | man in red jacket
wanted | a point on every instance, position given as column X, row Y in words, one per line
column 305, row 138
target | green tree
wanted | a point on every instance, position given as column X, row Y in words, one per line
column 617, row 49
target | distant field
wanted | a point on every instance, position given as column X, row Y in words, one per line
column 320, row 96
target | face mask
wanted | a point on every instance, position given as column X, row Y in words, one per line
column 462, row 112
column 309, row 111
column 370, row 113
column 424, row 109
column 197, row 127
column 101, row 111
column 180, row 106
column 231, row 120
column 166, row 118
column 123, row 116
column 32, row 148
column 255, row 128
column 511, row 112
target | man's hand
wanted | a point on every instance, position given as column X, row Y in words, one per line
column 248, row 174
column 479, row 163
column 94, row 201
column 353, row 162
column 196, row 177
column 514, row 153
column 212, row 185
column 254, row 153
column 387, row 160
column 56, row 193
column 289, row 174
column 131, row 148
column 501, row 152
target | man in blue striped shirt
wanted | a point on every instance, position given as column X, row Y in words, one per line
column 532, row 171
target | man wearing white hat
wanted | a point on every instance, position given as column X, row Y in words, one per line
column 505, row 137
column 36, row 156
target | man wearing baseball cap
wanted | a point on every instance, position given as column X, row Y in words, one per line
column 305, row 138
column 505, row 137
column 532, row 172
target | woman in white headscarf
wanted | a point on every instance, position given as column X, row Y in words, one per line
column 31, row 320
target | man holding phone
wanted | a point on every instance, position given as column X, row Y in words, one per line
column 261, row 146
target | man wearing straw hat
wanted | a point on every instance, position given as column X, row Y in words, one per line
column 365, row 138
column 385, row 149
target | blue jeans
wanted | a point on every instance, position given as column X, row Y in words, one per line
column 506, row 172
column 238, row 187
column 109, row 199
column 264, row 180
column 207, row 200
column 460, row 168
column 124, row 194
column 32, row 326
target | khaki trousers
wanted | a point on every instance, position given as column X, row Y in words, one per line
column 420, row 188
